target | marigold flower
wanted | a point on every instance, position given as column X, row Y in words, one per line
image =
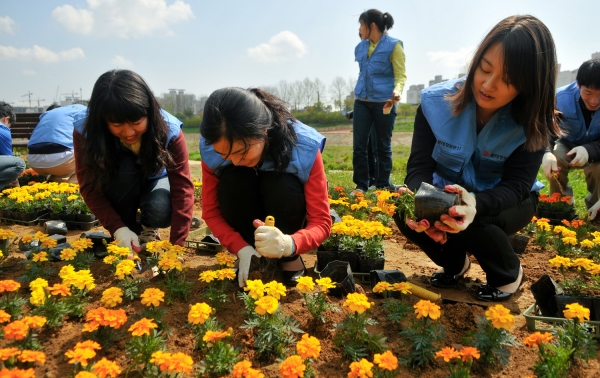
column 386, row 361
column 292, row 367
column 80, row 355
column 32, row 356
column 575, row 310
column 559, row 261
column 90, row 327
column 40, row 256
column 225, row 259
column 6, row 353
column 243, row 369
column 82, row 279
column 266, row 304
column 594, row 269
column 152, row 297
column 429, row 309
column 17, row 373
column 169, row 261
column 447, row 353
column 382, row 286
column 569, row 240
column 86, row 374
column 535, row 339
column 199, row 313
column 325, row 283
column 587, row 243
column 469, row 353
column 583, row 263
column 112, row 296
column 38, row 297
column 110, row 259
column 48, row 243
column 255, row 288
column 82, row 244
column 124, row 268
column 305, row 284
column 275, row 289
column 543, row 226
column 9, row 286
column 360, row 369
column 225, row 274
column 34, row 321
column 106, row 317
column 208, row 276
column 172, row 362
column 4, row 316
column 67, row 254
column 500, row 317
column 357, row 302
column 27, row 239
column 403, row 287
column 106, row 368
column 60, row 289
column 142, row 327
column 308, row 347
column 38, row 283
column 214, row 336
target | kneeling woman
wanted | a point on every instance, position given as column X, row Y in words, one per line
column 484, row 137
column 132, row 155
column 258, row 160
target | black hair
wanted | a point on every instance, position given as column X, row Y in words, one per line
column 53, row 106
column 589, row 74
column 122, row 96
column 384, row 21
column 530, row 66
column 238, row 114
column 6, row 110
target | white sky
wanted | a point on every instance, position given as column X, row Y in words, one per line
column 203, row 45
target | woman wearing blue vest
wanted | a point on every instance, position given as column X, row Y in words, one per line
column 380, row 83
column 484, row 137
column 258, row 160
column 132, row 155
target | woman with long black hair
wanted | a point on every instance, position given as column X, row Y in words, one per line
column 130, row 154
column 258, row 160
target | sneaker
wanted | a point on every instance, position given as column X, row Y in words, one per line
column 357, row 193
column 148, row 234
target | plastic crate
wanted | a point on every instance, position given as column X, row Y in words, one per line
column 536, row 322
column 11, row 221
column 363, row 278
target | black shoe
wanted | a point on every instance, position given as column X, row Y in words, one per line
column 290, row 277
column 445, row 280
column 489, row 293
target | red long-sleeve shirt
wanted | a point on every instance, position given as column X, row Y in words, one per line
column 318, row 219
column 182, row 191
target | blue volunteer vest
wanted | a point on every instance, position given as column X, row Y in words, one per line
column 56, row 126
column 573, row 123
column 462, row 157
column 173, row 128
column 301, row 162
column 376, row 76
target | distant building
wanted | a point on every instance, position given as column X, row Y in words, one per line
column 596, row 55
column 438, row 79
column 177, row 101
column 413, row 94
column 27, row 109
column 565, row 77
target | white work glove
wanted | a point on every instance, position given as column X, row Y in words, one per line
column 396, row 96
column 459, row 217
column 581, row 156
column 549, row 165
column 423, row 225
column 272, row 243
column 127, row 238
column 245, row 256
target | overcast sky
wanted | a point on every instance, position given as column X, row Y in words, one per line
column 203, row 45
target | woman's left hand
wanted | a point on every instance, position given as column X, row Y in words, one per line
column 461, row 216
column 270, row 242
column 396, row 96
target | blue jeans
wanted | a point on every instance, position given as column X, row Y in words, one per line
column 10, row 169
column 129, row 191
column 369, row 115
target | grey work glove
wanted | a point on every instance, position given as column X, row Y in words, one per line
column 245, row 256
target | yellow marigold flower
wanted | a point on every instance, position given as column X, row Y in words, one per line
column 583, row 263
column 152, row 297
column 558, row 229
column 208, row 276
column 86, row 374
column 448, row 354
column 429, row 309
column 110, row 259
column 500, row 317
column 535, row 339
column 376, row 209
column 594, row 269
column 142, row 327
column 587, row 243
column 386, row 361
column 543, row 226
column 275, row 289
column 560, row 261
column 7, row 353
column 357, row 302
column 38, row 297
column 32, row 356
column 60, row 289
column 199, row 313
column 4, row 316
column 6, row 234
column 569, row 240
column 11, row 285
column 40, row 257
column 225, row 259
column 255, row 288
column 292, row 367
column 403, row 287
column 382, row 286
column 112, row 297
column 170, row 262
column 48, row 242
column 124, row 268
column 360, row 369
column 266, row 304
column 27, row 239
column 106, row 368
column 325, row 283
column 469, row 353
column 67, row 254
column 225, row 274
column 82, row 279
column 575, row 310
column 308, row 347
column 305, row 284
column 566, row 233
column 38, row 283
column 118, row 251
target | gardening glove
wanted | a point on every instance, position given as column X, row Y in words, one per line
column 581, row 156
column 549, row 165
column 396, row 96
column 245, row 256
column 593, row 211
column 127, row 238
column 459, row 217
column 271, row 242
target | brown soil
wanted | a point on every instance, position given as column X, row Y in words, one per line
column 459, row 310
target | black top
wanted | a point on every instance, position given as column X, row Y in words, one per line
column 518, row 176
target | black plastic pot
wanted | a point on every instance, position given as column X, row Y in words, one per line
column 54, row 253
column 85, row 217
column 100, row 240
column 26, row 247
column 55, row 227
column 68, row 217
column 59, row 238
column 595, row 315
column 519, row 242
column 351, row 258
column 367, row 265
column 544, row 290
column 325, row 257
column 4, row 245
column 391, row 276
column 341, row 274
column 432, row 202
column 563, row 300
column 546, row 214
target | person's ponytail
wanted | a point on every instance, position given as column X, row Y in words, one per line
column 388, row 21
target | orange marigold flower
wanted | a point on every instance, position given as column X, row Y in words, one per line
column 308, row 347
column 60, row 289
column 106, row 368
column 213, row 336
column 429, row 309
column 447, row 353
column 199, row 313
column 243, row 369
column 17, row 373
column 535, row 339
column 360, row 369
column 107, row 317
column 152, row 297
column 6, row 353
column 4, row 316
column 32, row 356
column 80, row 355
column 142, row 327
column 469, row 353
column 9, row 286
column 86, row 374
column 34, row 321
column 386, row 361
column 16, row 330
column 292, row 367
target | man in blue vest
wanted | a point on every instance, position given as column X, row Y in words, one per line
column 579, row 147
column 10, row 166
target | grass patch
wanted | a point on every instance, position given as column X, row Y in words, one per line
column 577, row 182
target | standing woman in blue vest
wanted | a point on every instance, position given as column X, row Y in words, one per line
column 380, row 83
column 130, row 154
column 483, row 137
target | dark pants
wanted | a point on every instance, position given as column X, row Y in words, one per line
column 372, row 156
column 130, row 191
column 486, row 238
column 368, row 115
column 246, row 194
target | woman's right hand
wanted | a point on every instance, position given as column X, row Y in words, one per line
column 128, row 239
